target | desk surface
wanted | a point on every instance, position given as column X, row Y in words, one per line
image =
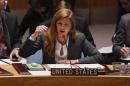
column 28, row 80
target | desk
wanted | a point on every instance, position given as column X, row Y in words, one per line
column 28, row 80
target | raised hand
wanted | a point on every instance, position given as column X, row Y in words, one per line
column 40, row 30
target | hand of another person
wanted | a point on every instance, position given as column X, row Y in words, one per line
column 15, row 52
column 40, row 30
column 125, row 51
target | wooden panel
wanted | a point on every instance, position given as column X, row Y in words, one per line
column 11, row 81
column 18, row 4
column 103, row 3
column 76, row 81
column 82, row 3
column 102, row 80
column 22, row 4
column 96, row 3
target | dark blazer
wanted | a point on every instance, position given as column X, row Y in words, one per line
column 81, row 25
column 122, row 37
column 11, row 30
column 120, row 12
column 75, row 47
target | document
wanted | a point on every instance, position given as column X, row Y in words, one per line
column 35, row 67
column 40, row 73
column 127, row 59
column 60, row 65
column 4, row 72
column 106, row 50
column 2, row 63
column 90, row 66
column 8, row 61
column 49, row 66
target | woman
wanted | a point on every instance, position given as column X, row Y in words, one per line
column 61, row 43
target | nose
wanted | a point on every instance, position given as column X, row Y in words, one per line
column 62, row 26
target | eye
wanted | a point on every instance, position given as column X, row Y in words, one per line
column 65, row 24
column 59, row 23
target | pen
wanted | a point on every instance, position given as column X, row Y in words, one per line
column 124, row 45
column 4, row 61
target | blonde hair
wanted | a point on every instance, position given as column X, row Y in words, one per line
column 51, row 37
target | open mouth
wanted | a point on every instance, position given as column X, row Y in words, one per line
column 62, row 31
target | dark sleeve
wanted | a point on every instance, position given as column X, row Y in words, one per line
column 16, row 40
column 120, row 12
column 88, row 33
column 93, row 55
column 24, row 24
column 30, row 47
column 13, row 30
column 46, row 23
column 119, row 38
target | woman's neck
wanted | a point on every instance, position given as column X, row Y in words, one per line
column 62, row 39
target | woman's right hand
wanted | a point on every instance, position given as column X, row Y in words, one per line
column 40, row 30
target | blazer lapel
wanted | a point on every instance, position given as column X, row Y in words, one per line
column 71, row 42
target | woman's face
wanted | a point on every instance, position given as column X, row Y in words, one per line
column 63, row 26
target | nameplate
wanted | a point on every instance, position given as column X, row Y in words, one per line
column 74, row 71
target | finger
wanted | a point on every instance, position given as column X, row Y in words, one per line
column 40, row 31
column 10, row 57
column 126, row 49
column 17, row 55
column 44, row 28
column 19, row 58
column 124, row 53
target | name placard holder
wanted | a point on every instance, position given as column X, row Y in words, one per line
column 74, row 72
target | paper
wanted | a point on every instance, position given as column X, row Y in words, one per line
column 40, row 73
column 90, row 66
column 105, row 50
column 75, row 66
column 35, row 67
column 2, row 63
column 8, row 61
column 60, row 66
column 128, row 59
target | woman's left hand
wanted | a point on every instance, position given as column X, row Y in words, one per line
column 15, row 52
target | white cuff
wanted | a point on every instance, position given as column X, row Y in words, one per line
column 32, row 39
